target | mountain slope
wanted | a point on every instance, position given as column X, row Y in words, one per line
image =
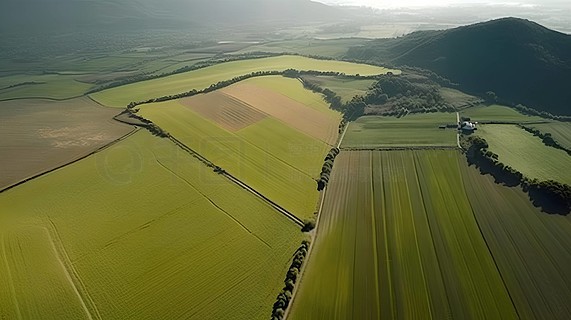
column 520, row 60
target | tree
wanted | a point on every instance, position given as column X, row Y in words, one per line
column 491, row 97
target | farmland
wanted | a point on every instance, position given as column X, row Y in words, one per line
column 411, row 130
column 498, row 113
column 344, row 87
column 418, row 234
column 272, row 144
column 560, row 131
column 42, row 134
column 140, row 230
column 48, row 86
column 397, row 247
column 202, row 78
column 527, row 153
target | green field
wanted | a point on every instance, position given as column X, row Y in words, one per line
column 397, row 240
column 140, row 231
column 411, row 130
column 419, row 235
column 202, row 78
column 276, row 160
column 498, row 113
column 457, row 98
column 526, row 153
column 560, row 131
column 48, row 86
column 343, row 87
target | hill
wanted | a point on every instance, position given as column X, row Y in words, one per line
column 521, row 61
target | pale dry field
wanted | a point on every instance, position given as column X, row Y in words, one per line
column 38, row 135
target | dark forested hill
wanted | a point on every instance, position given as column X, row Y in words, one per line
column 521, row 61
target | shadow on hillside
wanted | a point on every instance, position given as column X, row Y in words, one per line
column 500, row 176
column 545, row 202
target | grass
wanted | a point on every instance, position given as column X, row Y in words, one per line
column 497, row 113
column 560, row 131
column 343, row 87
column 411, row 130
column 144, row 231
column 397, row 239
column 202, row 78
column 527, row 153
column 276, row 160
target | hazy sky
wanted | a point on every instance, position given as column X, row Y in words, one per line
column 425, row 3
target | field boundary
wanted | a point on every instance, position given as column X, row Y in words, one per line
column 237, row 181
column 38, row 175
column 399, row 148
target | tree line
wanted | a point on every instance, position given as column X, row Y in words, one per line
column 552, row 196
column 197, row 66
column 284, row 297
column 326, row 168
column 546, row 138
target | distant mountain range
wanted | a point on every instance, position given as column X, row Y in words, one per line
column 42, row 15
column 521, row 61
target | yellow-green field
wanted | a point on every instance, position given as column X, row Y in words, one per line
column 412, row 130
column 202, row 78
column 420, row 235
column 497, row 113
column 140, row 231
column 526, row 153
column 267, row 154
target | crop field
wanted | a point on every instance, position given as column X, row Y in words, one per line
column 202, row 78
column 253, row 141
column 143, row 231
column 397, row 240
column 48, row 86
column 288, row 101
column 411, row 130
column 343, row 87
column 457, row 98
column 498, row 113
column 526, row 153
column 420, row 235
column 560, row 131
column 530, row 248
column 42, row 134
column 336, row 48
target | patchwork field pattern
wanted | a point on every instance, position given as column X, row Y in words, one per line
column 526, row 153
column 280, row 155
column 286, row 100
column 227, row 111
column 411, row 130
column 203, row 78
column 76, row 243
column 418, row 234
